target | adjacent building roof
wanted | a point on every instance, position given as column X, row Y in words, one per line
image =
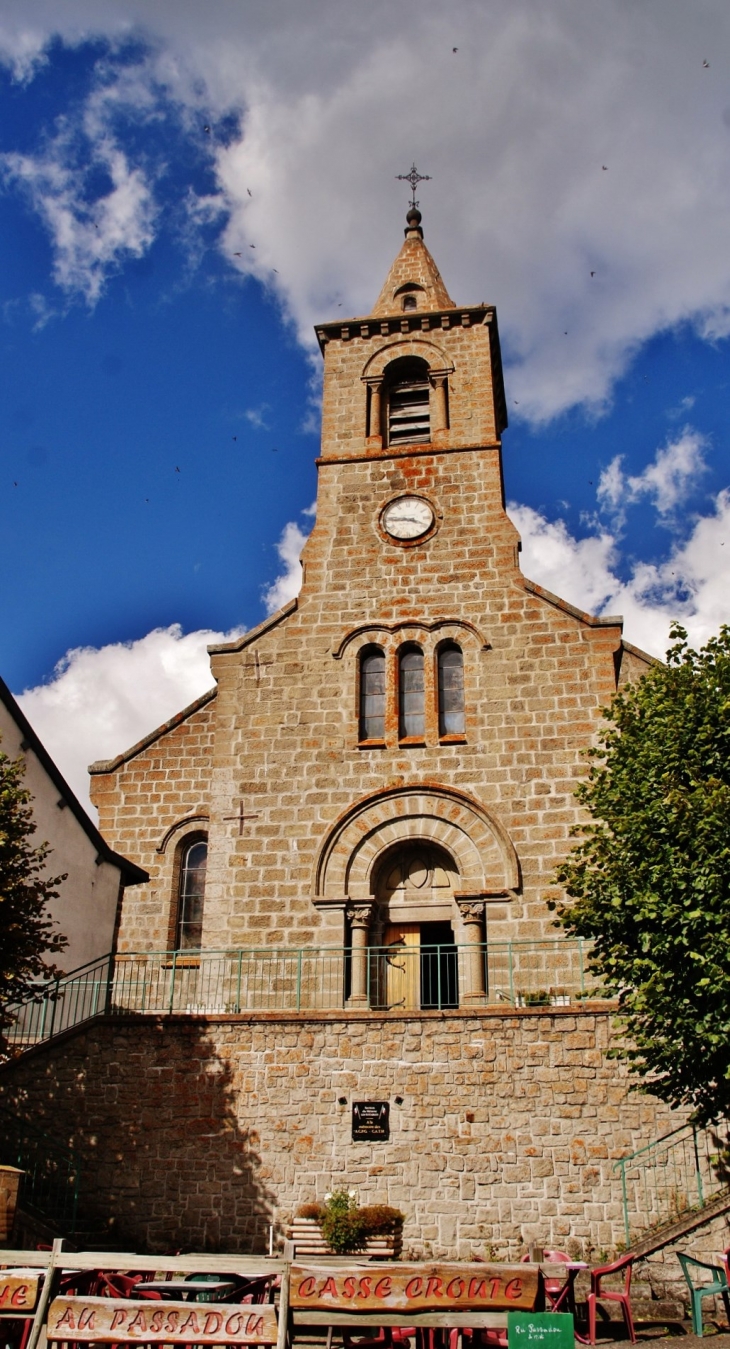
column 131, row 873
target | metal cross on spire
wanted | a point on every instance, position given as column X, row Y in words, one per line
column 414, row 178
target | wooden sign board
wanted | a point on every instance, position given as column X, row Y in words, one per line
column 412, row 1288
column 152, row 1322
column 540, row 1330
column 18, row 1292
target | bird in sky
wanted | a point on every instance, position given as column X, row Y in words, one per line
column 206, row 129
column 705, row 65
column 593, row 273
column 177, row 470
column 454, row 49
column 252, row 245
column 276, row 269
column 237, row 255
column 605, row 168
column 234, row 437
column 250, row 193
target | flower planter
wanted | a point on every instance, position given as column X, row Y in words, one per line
column 306, row 1235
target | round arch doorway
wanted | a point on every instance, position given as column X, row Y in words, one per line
column 414, row 888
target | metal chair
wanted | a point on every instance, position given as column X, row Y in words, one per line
column 718, row 1286
column 622, row 1296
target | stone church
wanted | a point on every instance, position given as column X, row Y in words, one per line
column 350, row 842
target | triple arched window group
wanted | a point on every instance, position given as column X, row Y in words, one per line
column 413, row 696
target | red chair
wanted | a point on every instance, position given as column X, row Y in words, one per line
column 597, row 1294
column 554, row 1288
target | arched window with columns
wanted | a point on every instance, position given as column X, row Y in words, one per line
column 407, row 392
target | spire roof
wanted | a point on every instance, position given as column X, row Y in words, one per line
column 414, row 273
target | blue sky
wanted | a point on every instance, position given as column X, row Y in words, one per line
column 184, row 194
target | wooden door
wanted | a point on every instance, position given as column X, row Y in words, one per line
column 403, row 965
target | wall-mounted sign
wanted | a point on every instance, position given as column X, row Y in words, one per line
column 121, row 1320
column 411, row 1288
column 540, row 1330
column 370, row 1121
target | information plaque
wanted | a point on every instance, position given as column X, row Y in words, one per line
column 370, row 1121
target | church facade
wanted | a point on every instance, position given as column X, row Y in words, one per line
column 377, row 792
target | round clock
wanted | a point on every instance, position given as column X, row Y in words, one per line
column 407, row 518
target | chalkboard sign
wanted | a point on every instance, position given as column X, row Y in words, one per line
column 370, row 1121
column 540, row 1330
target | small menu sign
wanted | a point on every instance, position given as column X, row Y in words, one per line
column 370, row 1121
column 540, row 1330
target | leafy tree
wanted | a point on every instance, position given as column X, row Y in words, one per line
column 26, row 932
column 650, row 878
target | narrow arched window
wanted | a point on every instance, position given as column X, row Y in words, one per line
column 372, row 694
column 411, row 699
column 451, row 690
column 407, row 392
column 410, row 302
column 191, row 896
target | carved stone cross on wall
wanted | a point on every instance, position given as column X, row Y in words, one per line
column 241, row 817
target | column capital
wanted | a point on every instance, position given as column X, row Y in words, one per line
column 471, row 910
column 359, row 914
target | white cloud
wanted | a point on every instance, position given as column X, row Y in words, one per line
column 255, row 417
column 692, row 584
column 289, row 583
column 519, row 194
column 666, row 481
column 89, row 238
column 100, row 701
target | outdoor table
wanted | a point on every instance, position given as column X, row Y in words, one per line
column 178, row 1288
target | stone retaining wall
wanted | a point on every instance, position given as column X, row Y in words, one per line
column 200, row 1131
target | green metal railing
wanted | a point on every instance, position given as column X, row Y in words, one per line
column 272, row 979
column 51, row 1173
column 679, row 1172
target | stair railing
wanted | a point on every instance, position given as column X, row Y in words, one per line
column 676, row 1174
column 51, row 1173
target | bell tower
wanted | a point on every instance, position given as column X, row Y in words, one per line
column 410, row 477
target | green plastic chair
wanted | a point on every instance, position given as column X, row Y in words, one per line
column 718, row 1287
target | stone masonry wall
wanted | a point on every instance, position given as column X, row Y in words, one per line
column 201, row 1131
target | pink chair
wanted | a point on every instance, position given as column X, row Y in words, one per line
column 597, row 1294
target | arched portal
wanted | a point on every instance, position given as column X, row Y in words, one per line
column 415, row 855
column 416, row 925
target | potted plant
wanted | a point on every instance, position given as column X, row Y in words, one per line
column 340, row 1226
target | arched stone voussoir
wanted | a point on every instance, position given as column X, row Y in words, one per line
column 478, row 842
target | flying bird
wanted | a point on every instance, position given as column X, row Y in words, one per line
column 252, row 245
column 234, row 437
column 206, row 129
column 705, row 65
column 237, row 255
column 454, row 49
column 593, row 273
column 276, row 269
column 250, row 193
column 177, row 470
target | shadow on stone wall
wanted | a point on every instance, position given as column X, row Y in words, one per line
column 150, row 1107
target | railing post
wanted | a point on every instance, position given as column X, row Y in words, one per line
column 582, row 968
column 55, row 1002
column 109, row 985
column 299, row 979
column 625, row 1200
column 698, row 1172
column 173, row 971
column 238, row 981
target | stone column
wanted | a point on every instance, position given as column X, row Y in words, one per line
column 359, row 916
column 375, row 430
column 472, row 915
column 438, row 422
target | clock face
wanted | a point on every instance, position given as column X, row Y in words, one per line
column 407, row 518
